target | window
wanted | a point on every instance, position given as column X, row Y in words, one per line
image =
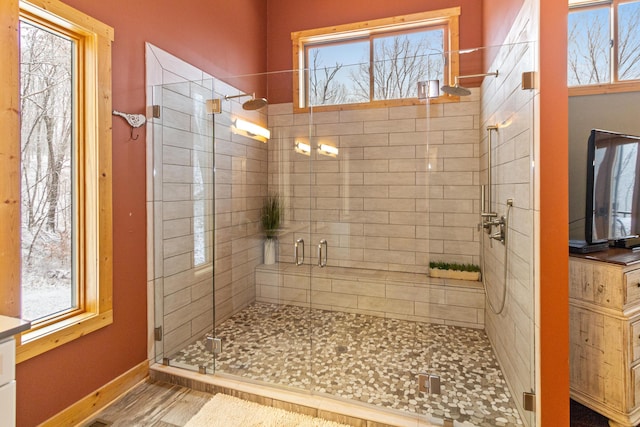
column 65, row 174
column 374, row 62
column 603, row 46
column 48, row 144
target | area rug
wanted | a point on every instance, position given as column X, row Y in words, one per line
column 228, row 411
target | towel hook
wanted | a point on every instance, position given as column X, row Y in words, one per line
column 134, row 120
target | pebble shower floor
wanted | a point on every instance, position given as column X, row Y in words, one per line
column 363, row 358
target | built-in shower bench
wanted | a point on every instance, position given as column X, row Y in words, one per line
column 409, row 296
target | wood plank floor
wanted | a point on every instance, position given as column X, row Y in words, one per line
column 158, row 404
column 154, row 404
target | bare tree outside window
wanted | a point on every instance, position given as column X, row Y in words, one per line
column 354, row 76
column 46, row 74
column 589, row 47
column 629, row 41
column 591, row 44
column 329, row 82
column 402, row 61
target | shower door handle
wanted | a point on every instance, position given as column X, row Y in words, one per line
column 299, row 260
column 322, row 260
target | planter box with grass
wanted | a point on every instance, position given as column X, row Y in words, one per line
column 445, row 270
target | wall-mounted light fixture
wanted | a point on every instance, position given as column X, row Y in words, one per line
column 328, row 150
column 303, row 148
column 252, row 130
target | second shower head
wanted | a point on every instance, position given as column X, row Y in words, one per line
column 252, row 104
column 457, row 90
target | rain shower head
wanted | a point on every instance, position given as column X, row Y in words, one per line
column 255, row 103
column 252, row 104
column 457, row 90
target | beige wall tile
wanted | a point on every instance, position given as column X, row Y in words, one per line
column 390, row 126
column 386, row 305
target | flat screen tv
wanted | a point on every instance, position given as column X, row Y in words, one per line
column 613, row 187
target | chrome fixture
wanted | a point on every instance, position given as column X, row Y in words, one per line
column 297, row 259
column 529, row 401
column 500, row 223
column 214, row 106
column 252, row 104
column 322, row 255
column 500, row 235
column 457, row 90
column 429, row 383
column 490, row 220
column 529, row 80
column 428, row 89
column 213, row 344
column 483, row 207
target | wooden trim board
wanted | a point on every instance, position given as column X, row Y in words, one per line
column 91, row 404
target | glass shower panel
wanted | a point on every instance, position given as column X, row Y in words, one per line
column 508, row 123
column 483, row 146
column 369, row 251
column 183, row 207
column 262, row 303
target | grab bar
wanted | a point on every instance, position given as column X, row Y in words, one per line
column 322, row 261
column 298, row 260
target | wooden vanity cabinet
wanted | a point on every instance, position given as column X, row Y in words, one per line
column 604, row 310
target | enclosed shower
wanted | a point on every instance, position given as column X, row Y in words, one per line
column 370, row 197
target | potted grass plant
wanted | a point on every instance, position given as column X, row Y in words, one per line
column 271, row 216
column 448, row 270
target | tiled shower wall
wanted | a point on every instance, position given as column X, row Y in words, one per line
column 506, row 104
column 241, row 184
column 402, row 191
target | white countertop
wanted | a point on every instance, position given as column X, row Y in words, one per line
column 10, row 326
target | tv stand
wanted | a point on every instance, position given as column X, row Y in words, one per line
column 604, row 329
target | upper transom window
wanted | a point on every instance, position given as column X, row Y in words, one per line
column 376, row 62
column 603, row 46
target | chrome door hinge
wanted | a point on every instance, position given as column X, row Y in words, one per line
column 157, row 333
column 213, row 345
column 428, row 383
column 529, row 401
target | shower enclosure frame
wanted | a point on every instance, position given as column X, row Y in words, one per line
column 308, row 231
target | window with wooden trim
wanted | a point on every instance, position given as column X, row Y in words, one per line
column 603, row 46
column 65, row 186
column 376, row 62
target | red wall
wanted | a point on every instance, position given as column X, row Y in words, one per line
column 497, row 18
column 222, row 38
column 286, row 16
column 554, row 215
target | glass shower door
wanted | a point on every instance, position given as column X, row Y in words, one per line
column 262, row 302
column 183, row 218
column 508, row 161
column 369, row 254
